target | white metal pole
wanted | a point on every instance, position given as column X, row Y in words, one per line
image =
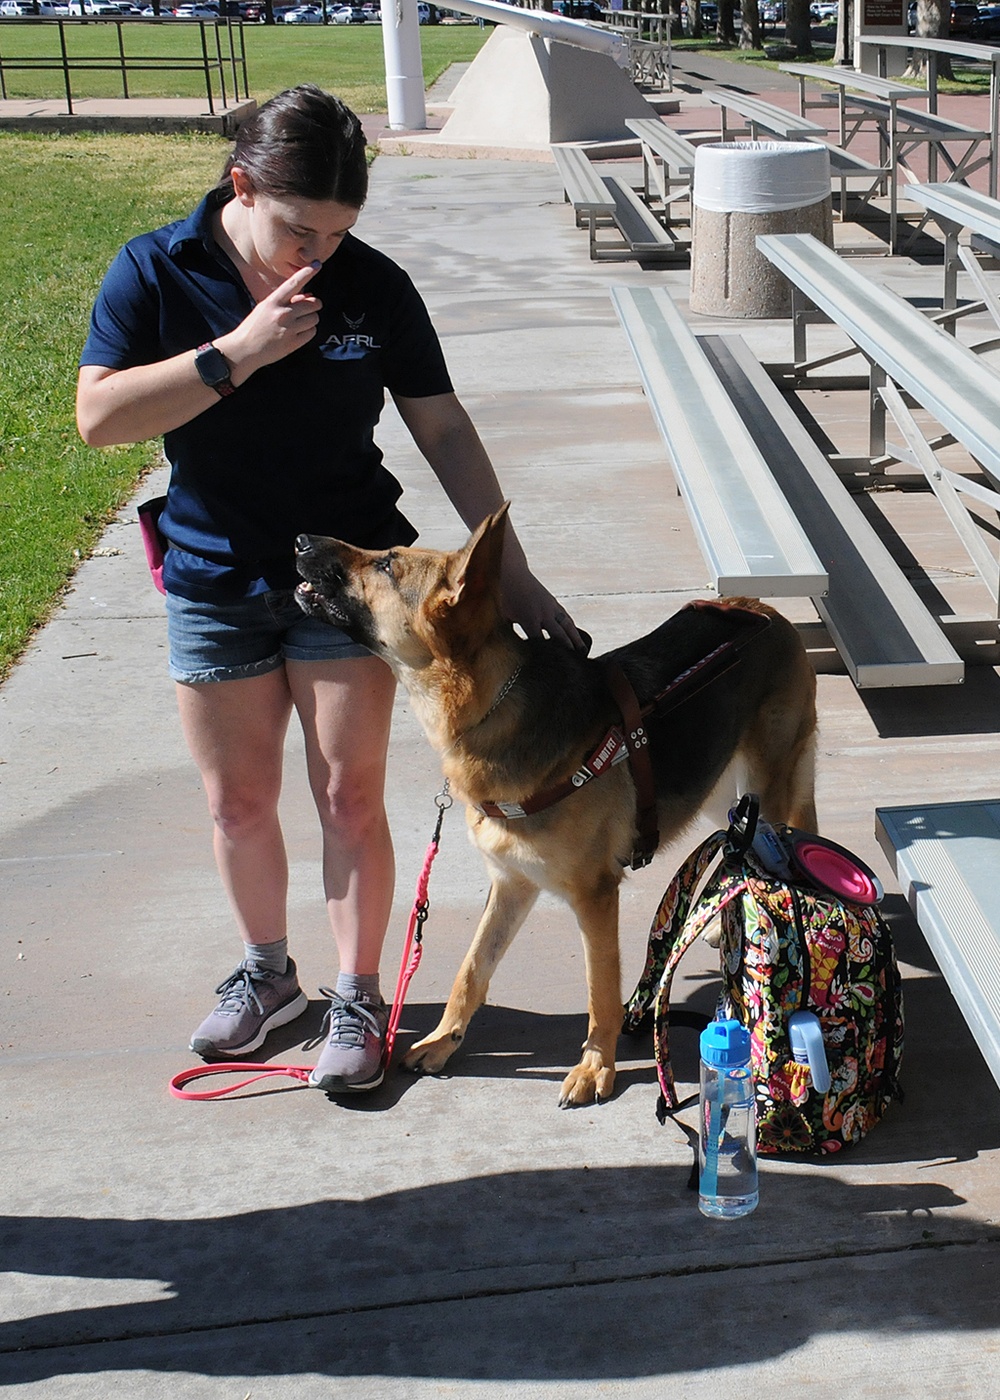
column 404, row 70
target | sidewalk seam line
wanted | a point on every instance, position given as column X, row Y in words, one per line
column 646, row 1276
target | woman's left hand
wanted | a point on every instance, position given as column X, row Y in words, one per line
column 530, row 604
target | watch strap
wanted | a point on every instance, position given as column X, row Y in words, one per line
column 222, row 384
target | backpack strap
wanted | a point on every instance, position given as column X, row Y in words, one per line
column 724, row 887
column 667, row 927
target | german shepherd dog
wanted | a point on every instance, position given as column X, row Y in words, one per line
column 512, row 717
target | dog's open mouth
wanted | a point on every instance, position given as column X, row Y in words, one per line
column 317, row 604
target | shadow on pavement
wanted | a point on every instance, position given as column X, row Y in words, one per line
column 428, row 1246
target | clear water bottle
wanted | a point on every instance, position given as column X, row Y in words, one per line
column 727, row 1140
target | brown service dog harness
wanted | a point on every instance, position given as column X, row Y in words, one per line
column 630, row 740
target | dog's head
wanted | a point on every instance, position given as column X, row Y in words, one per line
column 409, row 606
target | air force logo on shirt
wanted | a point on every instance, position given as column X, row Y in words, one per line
column 352, row 345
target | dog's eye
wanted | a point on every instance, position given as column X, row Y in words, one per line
column 384, row 565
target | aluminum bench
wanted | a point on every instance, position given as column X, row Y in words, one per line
column 883, row 632
column 946, row 856
column 954, row 208
column 849, row 84
column 645, row 235
column 667, row 161
column 602, row 201
column 593, row 204
column 903, row 130
column 907, row 354
column 747, row 532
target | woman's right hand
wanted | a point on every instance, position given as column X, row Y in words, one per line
column 277, row 326
column 146, row 401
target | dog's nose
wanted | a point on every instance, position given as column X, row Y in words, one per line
column 303, row 544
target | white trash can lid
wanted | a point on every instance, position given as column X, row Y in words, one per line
column 760, row 177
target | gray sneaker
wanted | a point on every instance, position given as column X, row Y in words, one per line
column 351, row 1059
column 255, row 1000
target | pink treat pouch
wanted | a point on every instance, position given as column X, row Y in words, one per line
column 152, row 541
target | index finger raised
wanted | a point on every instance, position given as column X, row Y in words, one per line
column 296, row 282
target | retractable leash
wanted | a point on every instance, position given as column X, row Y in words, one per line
column 410, row 961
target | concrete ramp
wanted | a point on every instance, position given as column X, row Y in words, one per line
column 523, row 92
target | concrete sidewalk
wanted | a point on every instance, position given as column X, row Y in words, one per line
column 458, row 1236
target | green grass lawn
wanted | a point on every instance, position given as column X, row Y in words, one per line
column 72, row 201
column 67, row 203
column 346, row 59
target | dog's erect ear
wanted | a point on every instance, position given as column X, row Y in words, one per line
column 474, row 572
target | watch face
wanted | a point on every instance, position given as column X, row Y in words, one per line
column 211, row 366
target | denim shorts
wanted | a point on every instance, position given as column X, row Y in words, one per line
column 231, row 641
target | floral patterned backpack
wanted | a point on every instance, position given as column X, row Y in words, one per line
column 787, row 944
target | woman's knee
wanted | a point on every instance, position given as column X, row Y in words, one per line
column 242, row 810
column 352, row 805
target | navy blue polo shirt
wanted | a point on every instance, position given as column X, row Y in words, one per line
column 293, row 449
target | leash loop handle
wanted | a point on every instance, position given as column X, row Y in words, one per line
column 301, row 1072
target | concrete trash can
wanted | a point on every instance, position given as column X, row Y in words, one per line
column 741, row 189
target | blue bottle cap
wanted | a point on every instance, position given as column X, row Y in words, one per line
column 725, row 1044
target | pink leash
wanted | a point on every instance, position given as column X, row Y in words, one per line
column 410, row 961
column 415, row 928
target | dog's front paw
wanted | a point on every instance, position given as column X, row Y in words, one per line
column 591, row 1081
column 430, row 1055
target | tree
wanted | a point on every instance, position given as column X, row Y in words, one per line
column 725, row 29
column 750, row 25
column 843, row 49
column 798, row 27
column 933, row 22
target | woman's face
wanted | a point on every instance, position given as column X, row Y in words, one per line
column 287, row 233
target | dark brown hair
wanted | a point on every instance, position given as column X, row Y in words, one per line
column 305, row 143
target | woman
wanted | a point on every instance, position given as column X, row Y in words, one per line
column 258, row 337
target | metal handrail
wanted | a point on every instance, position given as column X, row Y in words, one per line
column 235, row 61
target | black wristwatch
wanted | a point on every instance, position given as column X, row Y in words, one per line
column 211, row 365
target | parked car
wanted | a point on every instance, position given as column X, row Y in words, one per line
column 578, row 9
column 348, row 14
column 99, row 8
column 963, row 17
column 304, row 14
column 987, row 23
column 196, row 12
column 824, row 10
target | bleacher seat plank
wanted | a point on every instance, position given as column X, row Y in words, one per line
column 642, row 231
column 944, row 376
column 745, row 528
column 884, row 633
column 945, row 856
